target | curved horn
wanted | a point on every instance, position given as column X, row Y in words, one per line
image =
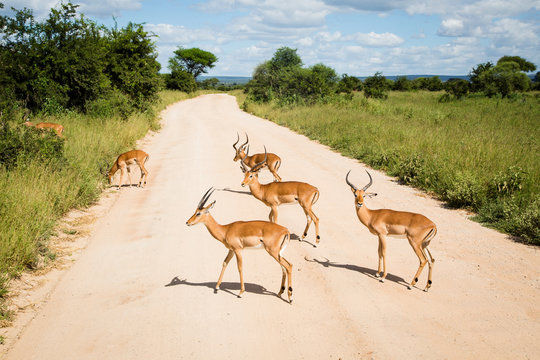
column 261, row 164
column 370, row 182
column 237, row 140
column 243, row 165
column 247, row 140
column 205, row 198
column 348, row 182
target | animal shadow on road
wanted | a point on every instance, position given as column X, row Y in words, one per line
column 227, row 287
column 296, row 237
column 368, row 272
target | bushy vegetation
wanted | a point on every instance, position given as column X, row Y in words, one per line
column 283, row 78
column 479, row 153
column 67, row 62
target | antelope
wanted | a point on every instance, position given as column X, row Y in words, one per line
column 277, row 193
column 273, row 161
column 124, row 161
column 418, row 229
column 246, row 234
column 58, row 129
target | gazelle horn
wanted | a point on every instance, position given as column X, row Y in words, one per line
column 370, row 182
column 237, row 140
column 260, row 165
column 205, row 198
column 348, row 182
column 247, row 140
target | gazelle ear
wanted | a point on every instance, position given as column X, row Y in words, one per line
column 211, row 205
column 370, row 195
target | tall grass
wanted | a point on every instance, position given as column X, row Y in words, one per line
column 477, row 153
column 36, row 194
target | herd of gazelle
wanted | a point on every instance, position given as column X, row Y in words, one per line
column 274, row 238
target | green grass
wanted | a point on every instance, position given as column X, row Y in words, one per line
column 477, row 153
column 36, row 195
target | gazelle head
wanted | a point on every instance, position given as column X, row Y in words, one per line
column 360, row 194
column 202, row 212
column 250, row 175
column 241, row 149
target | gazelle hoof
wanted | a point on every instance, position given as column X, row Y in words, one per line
column 381, row 280
column 409, row 287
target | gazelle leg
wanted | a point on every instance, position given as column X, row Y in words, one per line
column 382, row 258
column 144, row 173
column 288, row 267
column 430, row 261
column 422, row 259
column 273, row 214
column 129, row 176
column 276, row 176
column 308, row 218
column 225, row 263
column 283, row 278
column 239, row 263
column 316, row 221
column 122, row 170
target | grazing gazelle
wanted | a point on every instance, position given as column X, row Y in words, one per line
column 418, row 229
column 273, row 161
column 246, row 234
column 124, row 161
column 58, row 129
column 287, row 192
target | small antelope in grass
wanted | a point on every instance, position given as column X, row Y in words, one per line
column 57, row 128
column 239, row 235
column 418, row 229
column 273, row 162
column 288, row 192
column 123, row 163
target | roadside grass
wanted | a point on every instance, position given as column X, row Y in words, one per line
column 476, row 153
column 37, row 193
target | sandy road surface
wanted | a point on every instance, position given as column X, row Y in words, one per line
column 142, row 289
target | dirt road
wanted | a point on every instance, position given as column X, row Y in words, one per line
column 143, row 287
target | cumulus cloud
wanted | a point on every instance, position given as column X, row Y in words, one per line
column 101, row 9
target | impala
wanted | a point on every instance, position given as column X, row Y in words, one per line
column 58, row 129
column 418, row 229
column 277, row 193
column 124, row 161
column 246, row 234
column 273, row 161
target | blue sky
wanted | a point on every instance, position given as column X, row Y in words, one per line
column 356, row 37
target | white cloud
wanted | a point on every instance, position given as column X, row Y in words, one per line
column 378, row 40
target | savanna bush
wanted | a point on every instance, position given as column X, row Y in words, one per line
column 18, row 145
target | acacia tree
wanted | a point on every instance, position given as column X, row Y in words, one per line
column 195, row 61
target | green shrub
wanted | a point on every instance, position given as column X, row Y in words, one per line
column 464, row 190
column 507, row 182
column 20, row 144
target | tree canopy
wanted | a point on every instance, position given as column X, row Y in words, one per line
column 195, row 61
column 68, row 61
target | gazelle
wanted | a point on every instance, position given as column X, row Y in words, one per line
column 124, row 161
column 246, row 234
column 273, row 161
column 58, row 129
column 277, row 193
column 418, row 229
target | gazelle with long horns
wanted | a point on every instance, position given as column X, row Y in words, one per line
column 277, row 193
column 418, row 229
column 239, row 235
column 273, row 162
